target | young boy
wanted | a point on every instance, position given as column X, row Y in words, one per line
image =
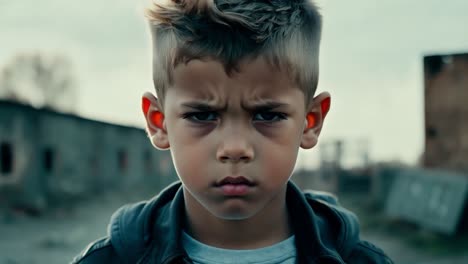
column 235, row 83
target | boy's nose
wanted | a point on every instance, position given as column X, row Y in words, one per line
column 235, row 149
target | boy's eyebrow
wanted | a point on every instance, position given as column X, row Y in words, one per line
column 269, row 105
column 202, row 106
column 262, row 106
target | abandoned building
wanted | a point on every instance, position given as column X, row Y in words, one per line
column 436, row 196
column 47, row 156
column 446, row 111
column 433, row 194
column 344, row 167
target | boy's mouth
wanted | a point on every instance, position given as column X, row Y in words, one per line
column 235, row 186
column 235, row 180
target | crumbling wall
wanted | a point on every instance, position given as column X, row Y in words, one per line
column 446, row 111
column 49, row 158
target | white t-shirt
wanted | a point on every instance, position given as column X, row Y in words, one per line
column 283, row 252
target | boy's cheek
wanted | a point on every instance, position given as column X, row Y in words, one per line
column 189, row 138
column 278, row 157
column 191, row 152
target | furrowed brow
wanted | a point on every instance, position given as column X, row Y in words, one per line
column 265, row 106
column 200, row 106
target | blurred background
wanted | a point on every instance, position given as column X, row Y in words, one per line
column 394, row 147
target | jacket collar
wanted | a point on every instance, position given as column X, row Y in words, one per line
column 312, row 247
column 313, row 244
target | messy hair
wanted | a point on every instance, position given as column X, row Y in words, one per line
column 285, row 33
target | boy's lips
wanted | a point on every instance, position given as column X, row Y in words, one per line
column 235, row 180
column 235, row 185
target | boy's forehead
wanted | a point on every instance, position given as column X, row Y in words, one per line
column 257, row 69
column 253, row 78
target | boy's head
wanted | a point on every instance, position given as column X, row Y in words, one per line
column 285, row 33
column 235, row 82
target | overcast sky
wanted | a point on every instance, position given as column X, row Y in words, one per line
column 371, row 61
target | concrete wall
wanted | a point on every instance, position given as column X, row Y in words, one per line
column 446, row 111
column 21, row 182
column 56, row 157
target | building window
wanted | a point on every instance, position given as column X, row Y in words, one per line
column 122, row 160
column 48, row 160
column 431, row 132
column 6, row 156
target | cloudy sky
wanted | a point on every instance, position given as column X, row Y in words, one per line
column 371, row 62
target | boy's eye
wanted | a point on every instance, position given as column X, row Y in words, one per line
column 201, row 116
column 213, row 116
column 269, row 116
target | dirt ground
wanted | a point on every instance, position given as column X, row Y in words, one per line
column 59, row 235
column 405, row 242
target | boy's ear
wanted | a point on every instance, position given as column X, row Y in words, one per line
column 155, row 123
column 315, row 117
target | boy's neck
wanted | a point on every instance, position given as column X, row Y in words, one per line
column 266, row 228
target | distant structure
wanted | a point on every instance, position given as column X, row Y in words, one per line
column 335, row 173
column 47, row 157
column 446, row 112
column 435, row 196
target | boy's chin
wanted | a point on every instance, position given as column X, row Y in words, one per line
column 234, row 214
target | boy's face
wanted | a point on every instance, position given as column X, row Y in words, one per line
column 234, row 139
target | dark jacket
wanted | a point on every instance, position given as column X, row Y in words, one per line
column 149, row 232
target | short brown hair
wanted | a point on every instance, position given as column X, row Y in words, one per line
column 286, row 33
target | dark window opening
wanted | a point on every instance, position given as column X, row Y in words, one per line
column 431, row 132
column 122, row 160
column 48, row 160
column 6, row 155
